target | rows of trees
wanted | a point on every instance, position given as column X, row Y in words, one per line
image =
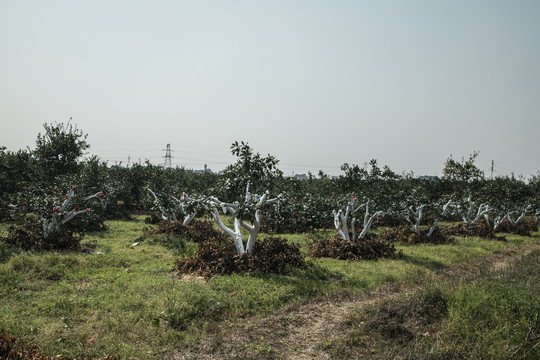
column 59, row 184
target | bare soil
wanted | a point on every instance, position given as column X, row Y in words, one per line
column 299, row 332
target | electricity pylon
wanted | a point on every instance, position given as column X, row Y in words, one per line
column 168, row 157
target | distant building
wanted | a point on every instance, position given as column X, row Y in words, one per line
column 428, row 177
column 301, row 177
column 206, row 170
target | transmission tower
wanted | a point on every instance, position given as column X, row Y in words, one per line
column 168, row 157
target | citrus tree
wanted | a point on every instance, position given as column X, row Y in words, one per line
column 251, row 172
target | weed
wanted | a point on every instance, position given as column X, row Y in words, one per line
column 495, row 317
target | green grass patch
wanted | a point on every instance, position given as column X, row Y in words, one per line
column 498, row 317
column 127, row 299
column 495, row 317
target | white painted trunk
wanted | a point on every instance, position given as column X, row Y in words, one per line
column 367, row 226
column 353, row 228
column 253, row 232
column 344, row 228
column 235, row 234
column 524, row 212
column 238, row 242
column 497, row 221
column 483, row 209
column 341, row 221
column 338, row 219
column 432, row 228
column 99, row 196
column 417, row 216
column 189, row 218
column 61, row 217
column 232, row 208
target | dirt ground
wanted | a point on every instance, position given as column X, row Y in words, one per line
column 298, row 332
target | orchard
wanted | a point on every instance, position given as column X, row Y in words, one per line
column 56, row 184
column 141, row 261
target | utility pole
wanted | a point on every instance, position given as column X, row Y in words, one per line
column 492, row 166
column 129, row 160
column 168, row 157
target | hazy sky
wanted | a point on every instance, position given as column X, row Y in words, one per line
column 314, row 83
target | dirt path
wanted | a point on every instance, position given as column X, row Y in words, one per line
column 297, row 332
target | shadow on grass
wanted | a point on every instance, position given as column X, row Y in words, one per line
column 308, row 282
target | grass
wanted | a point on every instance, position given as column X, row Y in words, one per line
column 497, row 316
column 124, row 299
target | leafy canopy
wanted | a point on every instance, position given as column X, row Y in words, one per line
column 464, row 171
column 59, row 149
column 260, row 172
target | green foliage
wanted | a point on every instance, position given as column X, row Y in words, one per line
column 5, row 251
column 16, row 173
column 465, row 171
column 182, row 237
column 299, row 213
column 380, row 186
column 260, row 172
column 59, row 149
column 15, row 170
column 29, row 236
column 128, row 186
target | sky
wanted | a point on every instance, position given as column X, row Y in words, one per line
column 314, row 83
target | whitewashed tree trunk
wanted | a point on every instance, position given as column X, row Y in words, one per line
column 416, row 214
column 253, row 231
column 158, row 205
column 172, row 217
column 340, row 223
column 446, row 208
column 498, row 220
column 341, row 220
column 353, row 228
column 524, row 212
column 182, row 201
column 368, row 220
column 61, row 216
column 234, row 209
column 482, row 210
column 235, row 234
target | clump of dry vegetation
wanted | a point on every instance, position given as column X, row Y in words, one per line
column 370, row 248
column 219, row 257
